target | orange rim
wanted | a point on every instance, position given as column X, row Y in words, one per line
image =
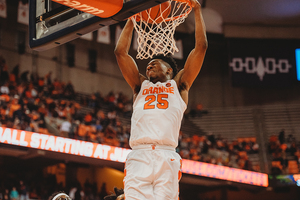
column 187, row 11
column 184, row 1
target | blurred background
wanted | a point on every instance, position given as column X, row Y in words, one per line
column 243, row 112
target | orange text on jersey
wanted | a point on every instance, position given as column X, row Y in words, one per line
column 158, row 90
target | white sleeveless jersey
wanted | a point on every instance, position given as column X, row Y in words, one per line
column 157, row 114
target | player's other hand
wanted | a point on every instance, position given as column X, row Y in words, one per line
column 195, row 3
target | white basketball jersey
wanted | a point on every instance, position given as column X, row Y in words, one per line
column 157, row 114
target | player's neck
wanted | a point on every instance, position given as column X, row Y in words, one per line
column 162, row 80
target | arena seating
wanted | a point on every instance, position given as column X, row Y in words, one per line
column 226, row 131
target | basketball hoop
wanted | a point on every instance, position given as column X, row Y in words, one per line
column 156, row 27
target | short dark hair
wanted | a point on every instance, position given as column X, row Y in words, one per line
column 170, row 60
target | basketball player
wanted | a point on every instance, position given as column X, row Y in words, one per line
column 152, row 169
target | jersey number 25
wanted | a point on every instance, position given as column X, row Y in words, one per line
column 160, row 101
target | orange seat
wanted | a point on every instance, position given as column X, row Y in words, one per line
column 247, row 139
column 273, row 138
column 293, row 167
column 277, row 164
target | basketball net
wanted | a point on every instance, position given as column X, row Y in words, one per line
column 157, row 36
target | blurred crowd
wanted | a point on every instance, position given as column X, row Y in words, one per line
column 285, row 153
column 16, row 189
column 46, row 105
column 218, row 150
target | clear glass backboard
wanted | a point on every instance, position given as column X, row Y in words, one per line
column 52, row 24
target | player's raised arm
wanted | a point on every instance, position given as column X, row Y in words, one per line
column 195, row 59
column 126, row 63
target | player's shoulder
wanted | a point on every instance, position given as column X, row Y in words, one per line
column 142, row 78
column 178, row 76
column 137, row 88
column 182, row 85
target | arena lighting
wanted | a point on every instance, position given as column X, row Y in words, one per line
column 105, row 152
column 298, row 63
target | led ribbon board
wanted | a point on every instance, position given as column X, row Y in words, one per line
column 62, row 145
column 224, row 173
column 105, row 152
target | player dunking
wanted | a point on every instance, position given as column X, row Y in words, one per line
column 152, row 169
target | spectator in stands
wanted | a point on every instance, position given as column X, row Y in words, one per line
column 6, row 195
column 292, row 148
column 123, row 139
column 15, row 108
column 24, row 76
column 98, row 126
column 23, row 191
column 110, row 99
column 16, row 73
column 33, row 194
column 88, row 118
column 211, row 138
column 14, row 195
column 127, row 111
column 61, row 110
column 92, row 101
column 41, row 83
column 4, row 75
column 65, row 128
column 255, row 148
column 297, row 155
column 4, row 88
column 1, row 193
column 49, row 78
column 103, row 191
column 20, row 89
column 69, row 92
column 104, row 121
column 79, row 194
column 281, row 136
column 57, row 89
column 74, row 128
column 82, row 132
column 112, row 116
column 198, row 111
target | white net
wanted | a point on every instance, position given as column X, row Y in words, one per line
column 156, row 27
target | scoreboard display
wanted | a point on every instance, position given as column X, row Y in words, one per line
column 298, row 63
column 270, row 63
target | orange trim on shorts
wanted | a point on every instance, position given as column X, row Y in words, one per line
column 179, row 175
column 125, row 172
column 179, row 172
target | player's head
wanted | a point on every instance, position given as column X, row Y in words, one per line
column 59, row 196
column 119, row 195
column 164, row 64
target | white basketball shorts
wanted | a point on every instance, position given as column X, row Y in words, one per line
column 152, row 172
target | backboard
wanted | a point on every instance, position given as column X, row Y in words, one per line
column 52, row 24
